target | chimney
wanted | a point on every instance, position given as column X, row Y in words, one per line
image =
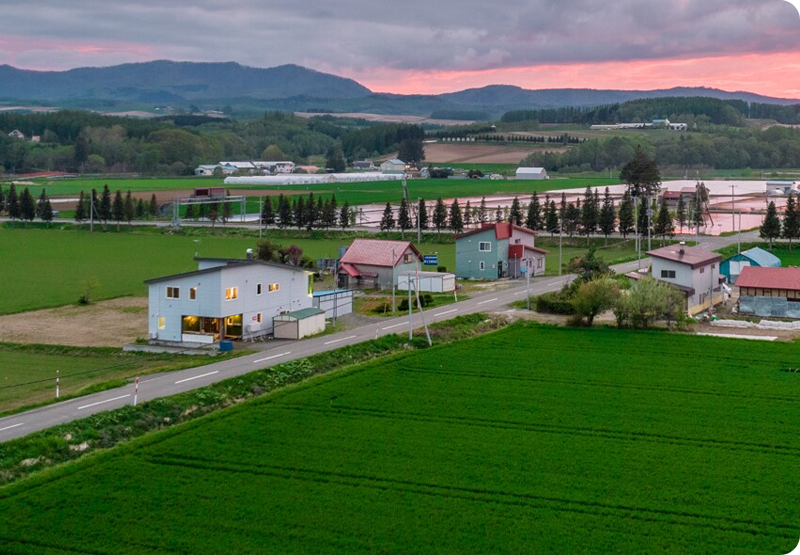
column 682, row 249
column 249, row 254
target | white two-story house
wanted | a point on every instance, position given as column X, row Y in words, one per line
column 694, row 271
column 225, row 299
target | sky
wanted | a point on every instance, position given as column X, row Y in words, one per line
column 430, row 46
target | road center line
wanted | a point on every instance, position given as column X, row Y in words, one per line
column 13, row 426
column 339, row 340
column 103, row 402
column 489, row 301
column 519, row 293
column 197, row 377
column 445, row 312
column 273, row 356
column 395, row 326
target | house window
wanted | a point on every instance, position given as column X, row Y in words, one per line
column 173, row 292
column 482, row 265
column 485, row 246
column 162, row 322
column 702, row 270
column 274, row 287
column 539, row 262
column 408, row 258
column 231, row 293
column 669, row 274
column 193, row 293
column 258, row 289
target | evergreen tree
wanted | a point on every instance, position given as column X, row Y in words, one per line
column 27, row 206
column 681, row 213
column 299, row 217
column 551, row 220
column 12, row 204
column 698, row 220
column 46, row 213
column 334, row 159
column 81, row 208
column 141, row 211
column 607, row 219
column 311, row 216
column 213, row 213
column 202, row 212
column 533, row 220
column 118, row 208
column 483, row 213
column 329, row 212
column 104, row 210
column 267, row 215
column 515, row 214
column 227, row 209
column 498, row 215
column 153, row 208
column 130, row 208
column 562, row 208
column 664, row 225
column 439, row 216
column 467, row 215
column 403, row 218
column 191, row 213
column 641, row 175
column 387, row 221
column 771, row 228
column 456, row 218
column 284, row 212
column 422, row 215
column 626, row 214
column 791, row 220
column 642, row 221
column 572, row 218
column 2, row 199
column 344, row 215
column 40, row 203
column 589, row 214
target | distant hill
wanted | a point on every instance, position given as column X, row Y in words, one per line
column 295, row 88
column 168, row 82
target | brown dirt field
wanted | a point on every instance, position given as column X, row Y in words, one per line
column 469, row 153
column 167, row 196
column 104, row 324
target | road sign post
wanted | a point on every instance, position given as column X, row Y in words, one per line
column 430, row 259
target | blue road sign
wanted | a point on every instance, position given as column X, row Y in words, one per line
column 430, row 259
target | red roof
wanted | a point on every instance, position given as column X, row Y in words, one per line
column 691, row 256
column 350, row 269
column 376, row 252
column 516, row 251
column 501, row 230
column 769, row 278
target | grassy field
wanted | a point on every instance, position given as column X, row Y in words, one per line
column 52, row 267
column 593, row 445
column 27, row 373
column 354, row 193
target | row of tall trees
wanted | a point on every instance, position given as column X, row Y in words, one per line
column 23, row 206
column 786, row 227
column 307, row 212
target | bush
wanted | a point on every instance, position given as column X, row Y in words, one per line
column 557, row 302
column 647, row 301
column 441, row 269
column 595, row 297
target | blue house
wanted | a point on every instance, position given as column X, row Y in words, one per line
column 732, row 267
column 498, row 250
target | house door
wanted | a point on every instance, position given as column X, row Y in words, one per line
column 499, row 269
column 342, row 281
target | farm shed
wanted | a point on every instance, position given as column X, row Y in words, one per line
column 532, row 173
column 733, row 266
column 299, row 324
column 427, row 282
column 769, row 292
column 335, row 303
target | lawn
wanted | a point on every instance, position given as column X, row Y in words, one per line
column 28, row 372
column 563, row 441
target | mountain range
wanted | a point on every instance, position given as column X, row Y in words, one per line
column 292, row 87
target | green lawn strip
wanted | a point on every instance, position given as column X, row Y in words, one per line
column 380, row 303
column 28, row 371
column 569, row 441
column 106, row 429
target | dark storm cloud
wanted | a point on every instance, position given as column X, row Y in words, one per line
column 412, row 35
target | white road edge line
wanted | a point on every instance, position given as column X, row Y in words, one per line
column 273, row 356
column 489, row 301
column 9, row 427
column 519, row 293
column 395, row 326
column 339, row 340
column 103, row 402
column 197, row 377
column 445, row 312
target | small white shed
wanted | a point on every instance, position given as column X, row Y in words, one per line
column 429, row 282
column 532, row 173
column 335, row 303
column 299, row 324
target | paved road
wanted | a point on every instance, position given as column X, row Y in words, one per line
column 170, row 383
column 162, row 385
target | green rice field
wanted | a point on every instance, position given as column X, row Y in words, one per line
column 528, row 440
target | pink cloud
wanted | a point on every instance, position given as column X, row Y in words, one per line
column 58, row 54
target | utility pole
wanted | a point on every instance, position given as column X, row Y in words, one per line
column 636, row 232
column 649, row 223
column 261, row 222
column 394, row 281
column 560, row 242
column 419, row 224
column 528, row 286
column 733, row 209
column 421, row 315
column 58, row 384
column 410, row 321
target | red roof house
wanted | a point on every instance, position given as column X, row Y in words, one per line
column 375, row 263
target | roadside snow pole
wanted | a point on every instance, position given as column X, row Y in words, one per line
column 58, row 379
column 136, row 392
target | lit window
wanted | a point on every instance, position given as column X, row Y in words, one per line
column 258, row 289
column 482, row 265
column 231, row 293
column 173, row 292
column 162, row 322
column 485, row 246
column 274, row 287
column 193, row 293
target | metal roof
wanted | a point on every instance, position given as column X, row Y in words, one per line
column 501, row 230
column 769, row 278
column 691, row 256
column 377, row 252
column 301, row 314
column 229, row 264
column 762, row 258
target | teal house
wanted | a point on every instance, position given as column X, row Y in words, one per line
column 759, row 258
column 499, row 250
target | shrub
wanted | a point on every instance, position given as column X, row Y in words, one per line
column 595, row 297
column 556, row 302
